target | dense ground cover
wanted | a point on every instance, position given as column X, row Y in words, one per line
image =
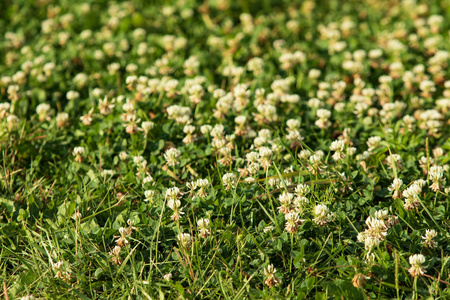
column 224, row 149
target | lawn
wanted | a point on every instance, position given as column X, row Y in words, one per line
column 224, row 149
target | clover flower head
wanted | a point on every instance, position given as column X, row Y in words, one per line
column 271, row 280
column 184, row 240
column 229, row 181
column 172, row 156
column 149, row 195
column 173, row 193
column 321, row 213
column 204, row 230
column 416, row 261
column 428, row 238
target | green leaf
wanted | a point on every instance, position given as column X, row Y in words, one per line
column 310, row 282
column 8, row 205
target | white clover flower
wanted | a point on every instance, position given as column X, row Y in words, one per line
column 315, row 162
column 299, row 202
column 196, row 93
column 253, row 168
column 375, row 53
column 252, row 157
column 191, row 185
column 438, row 152
column 314, row 74
column 290, row 98
column 204, row 230
column 4, row 109
column 437, row 176
column 265, row 152
column 259, row 141
column 376, row 227
column 395, row 187
column 286, row 198
column 98, row 92
column 315, row 102
column 172, row 156
column 293, row 124
column 149, row 195
column 202, row 184
column 58, row 265
column 420, row 182
column 174, row 204
column 123, row 155
column 428, row 238
column 271, row 280
column 62, row 119
column 115, row 255
column 411, row 195
column 273, row 181
column 373, row 142
column 323, row 115
column 189, row 130
column 351, row 151
column 78, row 152
column 338, row 147
column 302, row 190
column 106, row 106
column 130, row 68
column 42, row 111
column 424, row 162
column 255, row 65
column 184, row 240
column 416, row 261
column 218, row 144
column 321, row 213
column 180, row 114
column 139, row 160
column 205, row 129
column 369, row 242
column 147, row 179
column 394, row 160
column 147, row 126
column 381, row 214
column 173, row 193
column 217, row 131
column 266, row 113
column 60, row 270
column 304, row 154
column 107, row 173
column 240, row 120
column 268, row 229
column 191, row 66
column 229, row 181
column 376, row 231
column 168, row 277
column 292, row 222
column 141, row 163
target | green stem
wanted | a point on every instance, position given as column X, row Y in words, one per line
column 292, row 249
column 415, row 289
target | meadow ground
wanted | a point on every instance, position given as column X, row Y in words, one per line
column 224, row 149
